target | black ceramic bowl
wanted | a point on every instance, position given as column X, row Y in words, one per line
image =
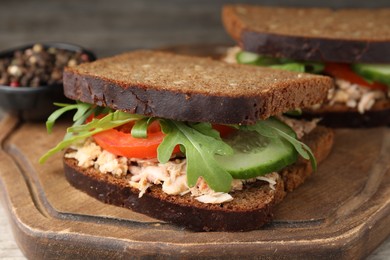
column 35, row 103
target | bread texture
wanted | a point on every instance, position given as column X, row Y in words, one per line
column 318, row 34
column 252, row 206
column 181, row 87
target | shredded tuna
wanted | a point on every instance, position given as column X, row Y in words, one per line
column 142, row 174
column 300, row 127
column 178, row 186
column 217, row 197
column 231, row 54
column 86, row 154
column 142, row 185
column 176, row 183
column 271, row 178
column 237, row 184
column 354, row 96
column 110, row 163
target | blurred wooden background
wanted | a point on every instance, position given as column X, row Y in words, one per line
column 110, row 27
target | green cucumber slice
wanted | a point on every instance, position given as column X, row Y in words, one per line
column 374, row 72
column 245, row 57
column 297, row 67
column 256, row 155
column 295, row 112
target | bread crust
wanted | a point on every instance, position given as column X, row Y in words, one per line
column 252, row 206
column 327, row 35
column 192, row 88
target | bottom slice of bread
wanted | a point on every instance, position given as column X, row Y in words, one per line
column 250, row 209
column 339, row 115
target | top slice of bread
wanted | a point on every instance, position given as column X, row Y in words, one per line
column 344, row 35
column 192, row 88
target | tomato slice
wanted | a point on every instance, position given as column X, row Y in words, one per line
column 344, row 71
column 124, row 144
column 224, row 130
column 119, row 141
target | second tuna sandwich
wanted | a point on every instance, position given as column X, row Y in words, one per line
column 350, row 45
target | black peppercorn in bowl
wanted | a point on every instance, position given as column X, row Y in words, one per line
column 31, row 77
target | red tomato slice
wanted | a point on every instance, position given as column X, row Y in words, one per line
column 224, row 130
column 344, row 71
column 124, row 144
column 120, row 142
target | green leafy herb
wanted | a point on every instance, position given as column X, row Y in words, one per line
column 82, row 109
column 206, row 129
column 301, row 148
column 201, row 145
column 79, row 132
column 140, row 128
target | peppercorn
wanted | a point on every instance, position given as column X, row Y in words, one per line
column 38, row 66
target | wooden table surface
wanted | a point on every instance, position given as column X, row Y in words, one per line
column 110, row 27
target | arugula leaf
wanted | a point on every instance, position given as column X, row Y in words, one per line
column 79, row 132
column 140, row 128
column 200, row 148
column 301, row 148
column 81, row 113
column 59, row 112
column 272, row 128
column 206, row 129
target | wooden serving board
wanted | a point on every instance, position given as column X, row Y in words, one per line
column 342, row 212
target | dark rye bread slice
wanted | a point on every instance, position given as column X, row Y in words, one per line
column 319, row 34
column 250, row 209
column 339, row 115
column 192, row 88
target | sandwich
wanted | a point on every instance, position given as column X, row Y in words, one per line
column 189, row 140
column 350, row 45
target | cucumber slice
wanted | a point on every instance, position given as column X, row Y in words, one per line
column 245, row 57
column 295, row 112
column 297, row 67
column 374, row 72
column 255, row 155
column 251, row 58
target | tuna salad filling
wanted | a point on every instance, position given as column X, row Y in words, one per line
column 354, row 96
column 171, row 176
column 142, row 174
